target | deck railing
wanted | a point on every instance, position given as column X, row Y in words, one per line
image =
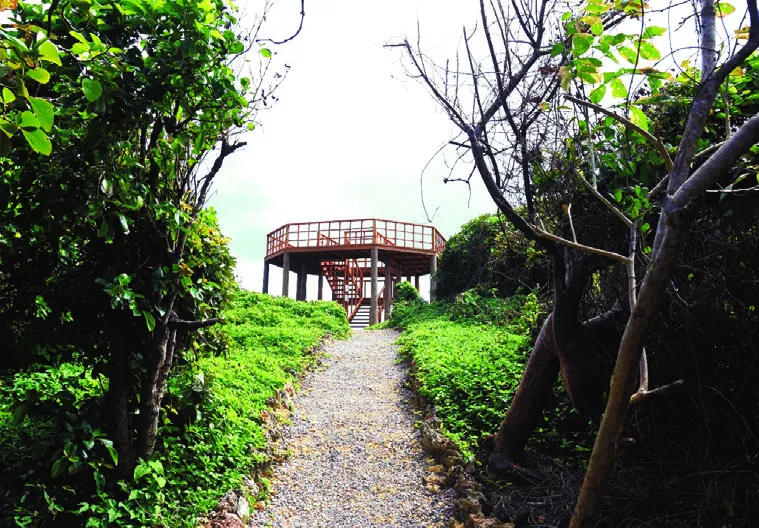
column 363, row 232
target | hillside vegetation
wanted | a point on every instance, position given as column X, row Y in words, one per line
column 212, row 428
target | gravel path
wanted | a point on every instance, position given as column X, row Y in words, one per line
column 356, row 458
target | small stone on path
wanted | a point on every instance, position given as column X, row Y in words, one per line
column 356, row 457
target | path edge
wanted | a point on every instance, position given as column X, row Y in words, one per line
column 459, row 473
column 233, row 508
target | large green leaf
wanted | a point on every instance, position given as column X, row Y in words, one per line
column 618, row 88
column 638, row 117
column 29, row 121
column 8, row 96
column 41, row 75
column 44, row 112
column 581, row 43
column 39, row 141
column 48, row 52
column 598, row 94
column 648, row 51
column 92, row 89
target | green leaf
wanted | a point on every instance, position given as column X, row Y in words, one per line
column 557, row 49
column 645, row 228
column 266, row 52
column 124, row 224
column 149, row 320
column 19, row 413
column 161, row 481
column 653, row 31
column 39, row 141
column 58, row 468
column 111, row 450
column 41, row 75
column 598, row 94
column 618, row 88
column 78, row 36
column 628, row 54
column 581, row 43
column 618, row 195
column 29, row 121
column 723, row 9
column 648, row 51
column 8, row 96
column 92, row 89
column 48, row 52
column 141, row 470
column 638, row 117
column 44, row 112
column 99, row 480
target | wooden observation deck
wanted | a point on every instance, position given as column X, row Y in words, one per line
column 354, row 256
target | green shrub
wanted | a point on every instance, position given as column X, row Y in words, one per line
column 407, row 293
column 211, row 434
column 468, row 357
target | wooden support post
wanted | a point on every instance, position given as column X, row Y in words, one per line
column 398, row 279
column 433, row 270
column 374, row 292
column 416, row 282
column 300, row 293
column 285, row 274
column 265, row 288
column 320, row 290
column 387, row 293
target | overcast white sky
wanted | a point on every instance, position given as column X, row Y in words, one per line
column 350, row 135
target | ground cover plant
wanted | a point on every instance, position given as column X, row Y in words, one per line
column 211, row 427
column 467, row 355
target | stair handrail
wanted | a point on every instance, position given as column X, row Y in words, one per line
column 355, row 278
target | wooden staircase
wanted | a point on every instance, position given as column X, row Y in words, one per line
column 346, row 279
column 361, row 318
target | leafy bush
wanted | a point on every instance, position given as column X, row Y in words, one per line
column 468, row 357
column 489, row 253
column 407, row 293
column 211, row 435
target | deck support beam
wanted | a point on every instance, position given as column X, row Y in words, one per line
column 373, row 306
column 416, row 282
column 433, row 281
column 320, row 290
column 285, row 274
column 387, row 291
column 265, row 288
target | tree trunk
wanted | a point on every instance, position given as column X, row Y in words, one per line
column 529, row 400
column 563, row 345
column 118, row 407
column 675, row 231
column 153, row 388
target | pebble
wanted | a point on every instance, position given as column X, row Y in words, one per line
column 356, row 457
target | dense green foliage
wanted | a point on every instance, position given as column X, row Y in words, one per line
column 489, row 253
column 212, row 431
column 467, row 356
